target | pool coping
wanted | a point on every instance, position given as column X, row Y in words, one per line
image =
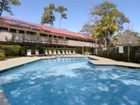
column 7, row 69
column 91, row 62
column 24, row 63
column 31, row 60
column 97, row 61
column 100, row 61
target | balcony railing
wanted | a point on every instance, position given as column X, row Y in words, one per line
column 25, row 38
column 14, row 37
column 81, row 43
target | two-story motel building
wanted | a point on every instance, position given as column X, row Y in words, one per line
column 20, row 32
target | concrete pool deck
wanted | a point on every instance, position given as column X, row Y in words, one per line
column 110, row 62
column 9, row 63
column 14, row 62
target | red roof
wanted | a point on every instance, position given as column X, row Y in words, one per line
column 31, row 25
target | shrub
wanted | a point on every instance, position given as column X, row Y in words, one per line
column 11, row 50
column 2, row 54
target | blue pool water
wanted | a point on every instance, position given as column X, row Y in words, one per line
column 71, row 81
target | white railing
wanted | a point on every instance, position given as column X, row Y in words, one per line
column 14, row 37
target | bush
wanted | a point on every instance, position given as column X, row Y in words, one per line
column 2, row 54
column 11, row 50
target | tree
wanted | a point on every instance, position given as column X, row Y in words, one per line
column 110, row 20
column 5, row 5
column 126, row 37
column 105, row 27
column 48, row 15
column 87, row 29
column 61, row 10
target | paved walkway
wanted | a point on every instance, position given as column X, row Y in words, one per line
column 16, row 62
column 105, row 61
column 13, row 62
column 9, row 63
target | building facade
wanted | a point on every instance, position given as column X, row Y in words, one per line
column 20, row 32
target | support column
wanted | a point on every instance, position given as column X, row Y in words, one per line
column 82, row 50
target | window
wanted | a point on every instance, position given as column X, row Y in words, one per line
column 3, row 29
column 41, row 34
column 13, row 30
column 55, row 36
column 31, row 33
column 50, row 36
column 60, row 37
column 21, row 32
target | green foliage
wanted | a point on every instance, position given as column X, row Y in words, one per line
column 87, row 29
column 5, row 5
column 105, row 27
column 106, row 20
column 109, row 9
column 48, row 15
column 11, row 50
column 2, row 54
column 110, row 20
column 103, row 8
column 126, row 37
column 62, row 10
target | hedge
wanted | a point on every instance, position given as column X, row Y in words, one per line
column 11, row 50
column 17, row 50
column 2, row 54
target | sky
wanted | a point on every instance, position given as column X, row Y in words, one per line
column 78, row 12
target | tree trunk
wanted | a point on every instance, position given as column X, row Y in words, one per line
column 1, row 9
column 0, row 12
column 105, row 42
column 60, row 22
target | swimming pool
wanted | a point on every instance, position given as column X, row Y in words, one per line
column 71, row 81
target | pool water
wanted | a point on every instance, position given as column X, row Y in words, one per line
column 71, row 81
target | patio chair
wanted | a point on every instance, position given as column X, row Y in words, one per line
column 73, row 52
column 87, row 53
column 70, row 52
column 67, row 52
column 46, row 52
column 63, row 52
column 36, row 52
column 29, row 52
column 50, row 52
column 58, row 52
column 54, row 52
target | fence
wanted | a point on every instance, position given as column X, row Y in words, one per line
column 132, row 54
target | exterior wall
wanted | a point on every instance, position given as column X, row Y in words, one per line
column 5, row 36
